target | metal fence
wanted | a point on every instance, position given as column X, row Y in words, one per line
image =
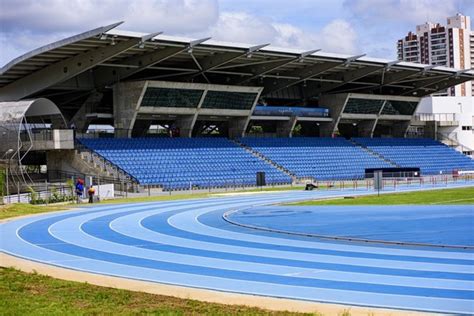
column 121, row 189
column 392, row 183
column 46, row 192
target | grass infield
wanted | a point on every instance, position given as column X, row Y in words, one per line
column 431, row 197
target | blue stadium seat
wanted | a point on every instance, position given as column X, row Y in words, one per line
column 320, row 158
column 431, row 156
column 178, row 163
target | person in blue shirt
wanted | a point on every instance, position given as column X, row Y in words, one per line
column 79, row 190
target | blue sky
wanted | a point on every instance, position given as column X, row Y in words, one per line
column 341, row 26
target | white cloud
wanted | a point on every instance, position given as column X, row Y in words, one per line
column 340, row 37
column 172, row 16
column 337, row 36
column 242, row 27
column 29, row 24
column 175, row 16
column 400, row 11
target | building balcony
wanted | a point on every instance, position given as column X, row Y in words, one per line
column 441, row 119
column 49, row 139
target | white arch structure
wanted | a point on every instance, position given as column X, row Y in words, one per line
column 15, row 128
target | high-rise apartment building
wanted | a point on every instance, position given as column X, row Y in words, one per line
column 409, row 48
column 472, row 57
column 450, row 45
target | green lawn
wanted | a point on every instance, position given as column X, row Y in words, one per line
column 19, row 209
column 33, row 294
column 442, row 196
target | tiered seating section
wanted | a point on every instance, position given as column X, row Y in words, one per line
column 430, row 156
column 320, row 158
column 178, row 163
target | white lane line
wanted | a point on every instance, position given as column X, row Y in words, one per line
column 216, row 232
column 182, row 221
column 69, row 231
column 128, row 226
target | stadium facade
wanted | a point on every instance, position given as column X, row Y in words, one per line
column 145, row 83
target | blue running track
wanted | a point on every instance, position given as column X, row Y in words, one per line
column 189, row 243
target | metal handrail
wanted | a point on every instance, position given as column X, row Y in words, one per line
column 104, row 161
column 448, row 137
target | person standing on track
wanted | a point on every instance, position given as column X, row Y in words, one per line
column 91, row 193
column 79, row 190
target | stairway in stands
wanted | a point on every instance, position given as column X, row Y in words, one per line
column 376, row 154
column 431, row 156
column 183, row 163
column 316, row 158
column 86, row 158
column 265, row 159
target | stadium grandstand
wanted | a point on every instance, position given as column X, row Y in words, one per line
column 171, row 112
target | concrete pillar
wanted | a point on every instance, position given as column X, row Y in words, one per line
column 186, row 125
column 431, row 130
column 127, row 98
column 335, row 103
column 80, row 118
column 140, row 128
column 399, row 128
column 60, row 160
column 285, row 128
column 366, row 128
column 237, row 126
column 57, row 122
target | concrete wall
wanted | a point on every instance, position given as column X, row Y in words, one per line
column 70, row 161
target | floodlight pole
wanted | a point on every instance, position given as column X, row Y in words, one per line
column 9, row 151
column 6, row 178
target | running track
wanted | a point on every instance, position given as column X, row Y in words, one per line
column 188, row 243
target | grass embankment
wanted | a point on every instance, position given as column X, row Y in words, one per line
column 442, row 196
column 33, row 294
column 19, row 209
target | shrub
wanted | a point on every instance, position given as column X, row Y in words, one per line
column 33, row 195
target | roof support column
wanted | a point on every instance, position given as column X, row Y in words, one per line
column 237, row 126
column 400, row 128
column 127, row 100
column 285, row 128
column 186, row 125
column 79, row 119
column 366, row 128
column 336, row 104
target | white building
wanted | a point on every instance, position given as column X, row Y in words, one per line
column 450, row 45
column 472, row 58
column 454, row 117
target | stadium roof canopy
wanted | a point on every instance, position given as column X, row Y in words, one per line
column 101, row 57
